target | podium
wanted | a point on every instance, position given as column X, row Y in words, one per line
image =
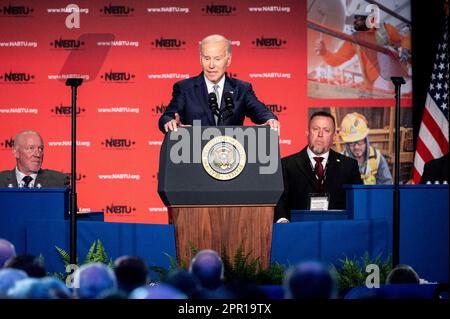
column 18, row 205
column 221, row 185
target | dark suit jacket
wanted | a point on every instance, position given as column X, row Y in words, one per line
column 436, row 170
column 300, row 180
column 190, row 101
column 46, row 177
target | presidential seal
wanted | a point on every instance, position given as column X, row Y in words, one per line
column 223, row 158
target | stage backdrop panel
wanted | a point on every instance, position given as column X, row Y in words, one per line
column 130, row 53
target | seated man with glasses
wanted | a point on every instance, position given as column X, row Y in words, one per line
column 372, row 164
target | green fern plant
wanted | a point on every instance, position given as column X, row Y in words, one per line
column 96, row 253
column 240, row 268
column 352, row 272
column 244, row 269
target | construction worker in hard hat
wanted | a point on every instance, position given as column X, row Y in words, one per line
column 372, row 164
column 383, row 35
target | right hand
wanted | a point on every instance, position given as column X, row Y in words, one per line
column 319, row 47
column 172, row 125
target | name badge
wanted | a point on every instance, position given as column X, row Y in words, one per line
column 318, row 201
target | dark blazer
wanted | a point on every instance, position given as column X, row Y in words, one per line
column 46, row 177
column 436, row 170
column 300, row 180
column 190, row 101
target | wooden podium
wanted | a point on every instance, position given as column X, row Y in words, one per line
column 210, row 213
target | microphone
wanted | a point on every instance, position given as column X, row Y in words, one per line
column 229, row 104
column 213, row 105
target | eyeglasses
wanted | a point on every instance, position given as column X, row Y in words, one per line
column 359, row 143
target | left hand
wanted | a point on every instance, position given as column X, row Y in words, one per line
column 274, row 124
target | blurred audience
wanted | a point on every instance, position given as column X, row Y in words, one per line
column 310, row 280
column 158, row 291
column 7, row 251
column 208, row 268
column 28, row 263
column 402, row 274
column 93, row 280
column 131, row 272
column 183, row 281
column 8, row 278
column 39, row 288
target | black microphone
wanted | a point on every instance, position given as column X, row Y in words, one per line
column 213, row 105
column 227, row 111
column 229, row 104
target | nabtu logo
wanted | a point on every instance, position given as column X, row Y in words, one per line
column 7, row 144
column 116, row 10
column 66, row 110
column 118, row 143
column 117, row 76
column 16, row 77
column 67, row 44
column 159, row 109
column 276, row 108
column 269, row 42
column 166, row 43
column 216, row 9
column 118, row 209
column 16, row 11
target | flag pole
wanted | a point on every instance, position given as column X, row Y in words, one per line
column 398, row 81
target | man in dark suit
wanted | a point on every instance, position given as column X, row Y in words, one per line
column 29, row 153
column 316, row 171
column 235, row 98
column 436, row 170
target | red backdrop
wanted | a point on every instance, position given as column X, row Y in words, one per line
column 133, row 52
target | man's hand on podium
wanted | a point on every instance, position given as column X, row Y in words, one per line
column 274, row 125
column 172, row 125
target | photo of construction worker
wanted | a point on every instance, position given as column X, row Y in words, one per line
column 372, row 165
column 367, row 134
column 355, row 48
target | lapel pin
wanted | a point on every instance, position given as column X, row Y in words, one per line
column 338, row 160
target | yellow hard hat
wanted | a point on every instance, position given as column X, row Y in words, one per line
column 353, row 127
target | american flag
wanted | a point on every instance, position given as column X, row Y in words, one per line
column 433, row 134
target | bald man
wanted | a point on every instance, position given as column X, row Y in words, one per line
column 29, row 153
column 190, row 99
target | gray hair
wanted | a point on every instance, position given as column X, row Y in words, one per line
column 22, row 133
column 216, row 38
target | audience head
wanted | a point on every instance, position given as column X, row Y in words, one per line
column 56, row 288
column 183, row 281
column 39, row 288
column 321, row 132
column 403, row 274
column 310, row 280
column 28, row 151
column 8, row 278
column 131, row 272
column 94, row 279
column 28, row 263
column 7, row 251
column 158, row 291
column 208, row 267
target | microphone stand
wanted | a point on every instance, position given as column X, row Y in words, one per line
column 398, row 81
column 74, row 83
